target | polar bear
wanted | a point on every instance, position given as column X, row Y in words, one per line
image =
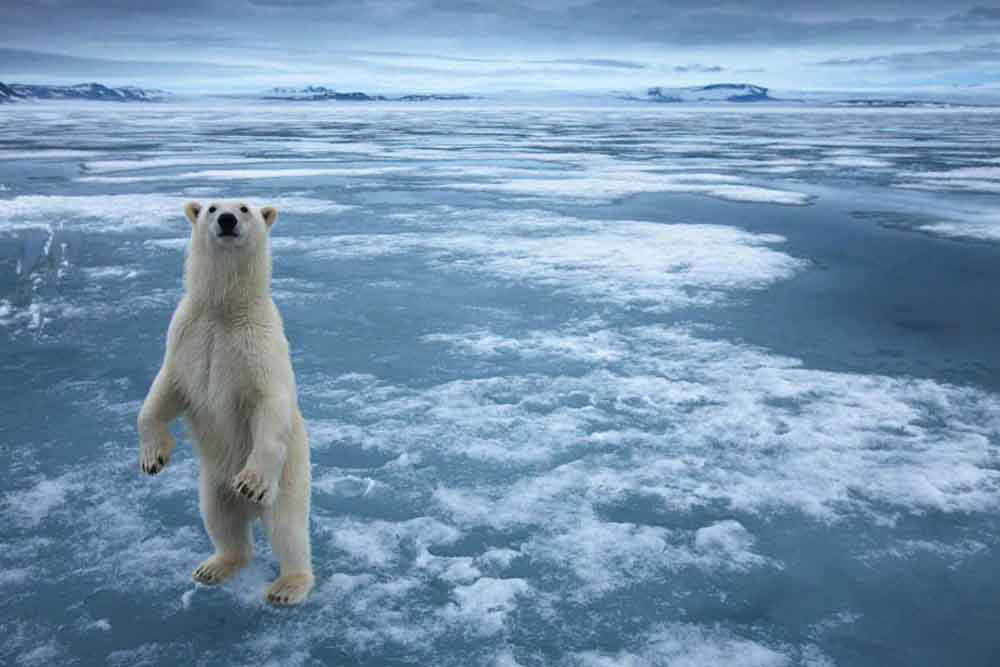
column 228, row 371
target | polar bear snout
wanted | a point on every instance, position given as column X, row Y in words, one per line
column 227, row 224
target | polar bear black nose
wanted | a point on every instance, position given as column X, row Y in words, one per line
column 227, row 223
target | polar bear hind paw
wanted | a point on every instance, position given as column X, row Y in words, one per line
column 217, row 569
column 290, row 589
column 252, row 487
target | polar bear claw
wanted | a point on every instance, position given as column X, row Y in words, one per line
column 252, row 487
column 154, row 458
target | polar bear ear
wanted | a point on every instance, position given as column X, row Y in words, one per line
column 270, row 214
column 191, row 210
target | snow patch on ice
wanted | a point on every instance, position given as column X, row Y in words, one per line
column 970, row 179
column 657, row 266
column 691, row 645
column 954, row 554
column 111, row 272
column 102, row 624
column 48, row 653
column 986, row 231
column 124, row 213
column 482, row 607
column 32, row 505
column 622, row 183
column 13, row 576
column 661, row 266
column 962, row 173
column 380, row 543
column 249, row 174
column 727, row 540
column 852, row 159
column 760, row 432
column 606, row 556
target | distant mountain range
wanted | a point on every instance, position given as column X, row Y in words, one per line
column 322, row 93
column 714, row 93
column 14, row 92
column 717, row 92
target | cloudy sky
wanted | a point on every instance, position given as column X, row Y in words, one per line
column 478, row 46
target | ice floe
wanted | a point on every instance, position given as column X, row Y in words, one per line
column 621, row 183
column 124, row 212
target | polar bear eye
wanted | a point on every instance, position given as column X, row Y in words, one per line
column 211, row 209
column 244, row 209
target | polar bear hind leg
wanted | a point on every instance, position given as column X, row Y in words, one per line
column 227, row 520
column 287, row 524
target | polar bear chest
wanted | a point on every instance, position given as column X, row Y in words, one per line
column 220, row 367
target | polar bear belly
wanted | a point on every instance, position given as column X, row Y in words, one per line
column 222, row 393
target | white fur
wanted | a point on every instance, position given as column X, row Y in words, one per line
column 227, row 371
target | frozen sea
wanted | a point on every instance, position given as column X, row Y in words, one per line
column 603, row 386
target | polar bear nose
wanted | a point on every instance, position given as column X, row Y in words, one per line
column 227, row 223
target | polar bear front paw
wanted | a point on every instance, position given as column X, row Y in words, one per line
column 254, row 488
column 154, row 458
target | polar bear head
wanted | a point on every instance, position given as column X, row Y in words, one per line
column 228, row 259
column 230, row 226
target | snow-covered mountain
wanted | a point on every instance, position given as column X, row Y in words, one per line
column 433, row 97
column 7, row 94
column 83, row 91
column 880, row 103
column 318, row 93
column 322, row 93
column 718, row 92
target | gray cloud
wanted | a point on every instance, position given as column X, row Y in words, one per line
column 427, row 56
column 518, row 23
column 608, row 40
column 978, row 15
column 969, row 56
column 29, row 66
column 697, row 68
column 592, row 62
column 118, row 7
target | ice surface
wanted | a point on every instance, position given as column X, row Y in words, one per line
column 560, row 411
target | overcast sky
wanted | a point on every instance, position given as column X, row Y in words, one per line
column 469, row 45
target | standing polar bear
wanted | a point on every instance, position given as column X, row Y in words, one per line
column 228, row 371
